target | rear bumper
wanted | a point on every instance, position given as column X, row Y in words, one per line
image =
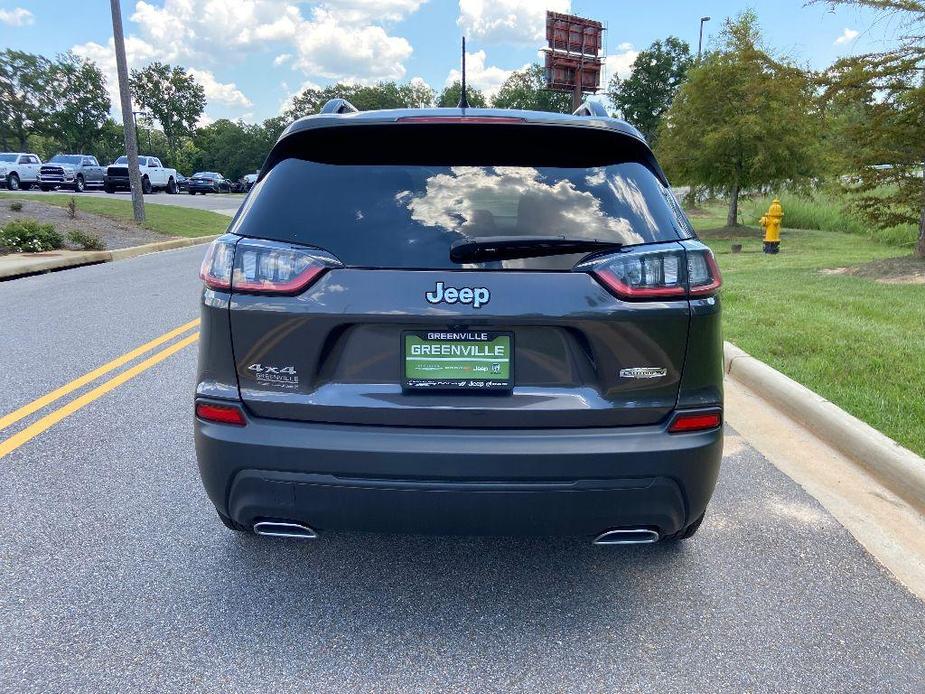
column 498, row 482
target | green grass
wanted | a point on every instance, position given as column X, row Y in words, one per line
column 826, row 212
column 856, row 342
column 164, row 219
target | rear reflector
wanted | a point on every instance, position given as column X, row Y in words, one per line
column 695, row 421
column 223, row 414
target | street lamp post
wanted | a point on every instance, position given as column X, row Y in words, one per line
column 703, row 20
column 144, row 114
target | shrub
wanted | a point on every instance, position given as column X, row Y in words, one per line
column 72, row 208
column 29, row 236
column 87, row 241
column 16, row 206
column 827, row 212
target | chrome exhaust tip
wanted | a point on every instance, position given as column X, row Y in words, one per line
column 284, row 529
column 627, row 536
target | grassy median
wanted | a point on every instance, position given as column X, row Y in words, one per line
column 164, row 219
column 853, row 339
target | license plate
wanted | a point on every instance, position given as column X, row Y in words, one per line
column 474, row 360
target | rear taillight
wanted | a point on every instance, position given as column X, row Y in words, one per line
column 215, row 270
column 685, row 422
column 254, row 266
column 267, row 267
column 221, row 414
column 648, row 274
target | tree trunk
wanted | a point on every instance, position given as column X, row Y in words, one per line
column 920, row 244
column 732, row 218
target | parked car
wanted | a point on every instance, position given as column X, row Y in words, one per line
column 248, row 181
column 19, row 170
column 75, row 171
column 154, row 176
column 208, row 182
column 182, row 182
column 422, row 322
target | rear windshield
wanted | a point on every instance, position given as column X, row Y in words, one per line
column 408, row 216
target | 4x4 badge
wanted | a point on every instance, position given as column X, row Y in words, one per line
column 477, row 296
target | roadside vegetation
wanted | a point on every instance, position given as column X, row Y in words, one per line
column 825, row 313
column 163, row 219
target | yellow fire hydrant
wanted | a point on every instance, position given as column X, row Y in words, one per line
column 771, row 223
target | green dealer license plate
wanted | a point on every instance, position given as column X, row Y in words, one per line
column 457, row 360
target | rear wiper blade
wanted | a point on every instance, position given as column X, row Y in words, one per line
column 487, row 248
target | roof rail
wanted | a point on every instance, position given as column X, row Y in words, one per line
column 338, row 106
column 591, row 108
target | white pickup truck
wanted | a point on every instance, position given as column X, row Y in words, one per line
column 19, row 170
column 154, row 176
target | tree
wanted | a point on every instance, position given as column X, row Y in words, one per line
column 80, row 102
column 526, row 89
column 233, row 149
column 449, row 97
column 172, row 96
column 363, row 97
column 742, row 119
column 24, row 96
column 644, row 97
column 886, row 143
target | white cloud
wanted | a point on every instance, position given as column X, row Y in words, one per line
column 328, row 48
column 486, row 78
column 17, row 17
column 517, row 21
column 363, row 11
column 137, row 54
column 227, row 94
column 282, row 59
column 846, row 36
column 620, row 63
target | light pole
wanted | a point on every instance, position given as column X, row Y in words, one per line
column 143, row 114
column 128, row 124
column 703, row 20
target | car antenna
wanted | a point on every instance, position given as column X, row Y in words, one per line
column 463, row 101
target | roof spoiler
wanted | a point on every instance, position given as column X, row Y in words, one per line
column 590, row 108
column 338, row 106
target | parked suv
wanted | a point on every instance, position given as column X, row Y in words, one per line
column 19, row 170
column 75, row 171
column 460, row 321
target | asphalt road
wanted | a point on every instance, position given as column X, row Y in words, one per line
column 117, row 576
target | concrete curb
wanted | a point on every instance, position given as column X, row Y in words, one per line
column 901, row 470
column 12, row 266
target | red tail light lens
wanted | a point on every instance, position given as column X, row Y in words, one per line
column 222, row 414
column 648, row 274
column 215, row 270
column 267, row 267
column 695, row 421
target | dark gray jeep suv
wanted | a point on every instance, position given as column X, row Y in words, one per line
column 460, row 321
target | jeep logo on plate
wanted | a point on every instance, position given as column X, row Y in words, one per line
column 477, row 296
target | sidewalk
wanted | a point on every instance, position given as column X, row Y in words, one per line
column 20, row 264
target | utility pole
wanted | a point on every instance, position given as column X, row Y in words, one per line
column 700, row 42
column 128, row 118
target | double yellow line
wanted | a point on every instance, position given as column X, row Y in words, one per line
column 49, row 420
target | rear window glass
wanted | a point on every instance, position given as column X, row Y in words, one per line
column 408, row 216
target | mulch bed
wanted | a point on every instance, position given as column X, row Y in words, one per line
column 114, row 234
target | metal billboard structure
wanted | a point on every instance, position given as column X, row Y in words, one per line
column 574, row 55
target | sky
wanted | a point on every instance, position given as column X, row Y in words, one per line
column 252, row 56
